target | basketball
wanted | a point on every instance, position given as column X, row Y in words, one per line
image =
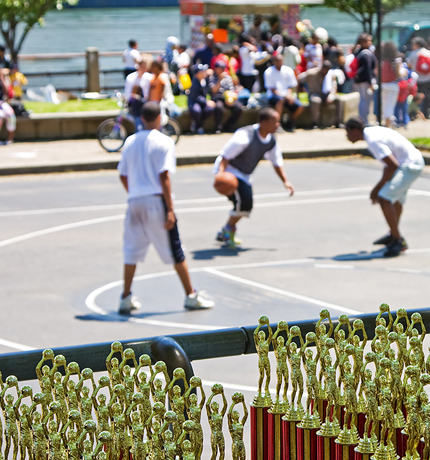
column 226, row 183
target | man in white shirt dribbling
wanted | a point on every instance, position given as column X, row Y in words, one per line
column 281, row 82
column 148, row 160
column 403, row 164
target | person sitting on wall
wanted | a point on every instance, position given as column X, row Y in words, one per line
column 224, row 95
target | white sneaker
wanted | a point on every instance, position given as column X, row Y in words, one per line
column 127, row 305
column 198, row 301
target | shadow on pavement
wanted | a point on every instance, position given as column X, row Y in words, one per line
column 362, row 255
column 114, row 316
column 224, row 251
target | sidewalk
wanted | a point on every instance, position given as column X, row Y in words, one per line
column 86, row 154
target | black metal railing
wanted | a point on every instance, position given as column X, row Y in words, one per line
column 195, row 346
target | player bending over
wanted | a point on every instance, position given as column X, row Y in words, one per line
column 403, row 163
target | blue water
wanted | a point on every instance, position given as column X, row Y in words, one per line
column 109, row 29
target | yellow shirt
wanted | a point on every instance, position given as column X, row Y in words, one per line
column 18, row 80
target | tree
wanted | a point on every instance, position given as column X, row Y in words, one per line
column 18, row 17
column 364, row 11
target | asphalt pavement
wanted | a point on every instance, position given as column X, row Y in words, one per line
column 87, row 154
column 61, row 261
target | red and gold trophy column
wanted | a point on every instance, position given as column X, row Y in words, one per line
column 262, row 401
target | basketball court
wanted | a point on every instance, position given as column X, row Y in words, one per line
column 61, row 261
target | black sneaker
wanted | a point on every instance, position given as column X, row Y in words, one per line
column 387, row 239
column 395, row 248
column 289, row 126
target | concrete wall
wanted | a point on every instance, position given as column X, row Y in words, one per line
column 84, row 124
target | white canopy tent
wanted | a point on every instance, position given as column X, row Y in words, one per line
column 248, row 6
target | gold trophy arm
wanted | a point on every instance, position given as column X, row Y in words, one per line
column 225, row 404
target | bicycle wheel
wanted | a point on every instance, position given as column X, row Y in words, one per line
column 172, row 129
column 111, row 135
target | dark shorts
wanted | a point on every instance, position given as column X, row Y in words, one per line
column 242, row 200
column 292, row 107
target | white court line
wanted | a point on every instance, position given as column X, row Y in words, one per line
column 14, row 345
column 266, row 287
column 108, row 207
column 335, row 267
column 404, row 270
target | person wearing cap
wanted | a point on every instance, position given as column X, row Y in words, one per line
column 224, row 95
column 403, row 164
column 200, row 108
column 131, row 58
column 281, row 83
column 205, row 54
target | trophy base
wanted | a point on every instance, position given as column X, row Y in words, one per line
column 414, row 456
column 385, row 453
column 295, row 415
column 279, row 407
column 399, row 420
column 261, row 400
column 329, row 429
column 366, row 445
column 310, row 422
column 348, row 436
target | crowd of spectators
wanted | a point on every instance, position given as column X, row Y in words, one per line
column 278, row 70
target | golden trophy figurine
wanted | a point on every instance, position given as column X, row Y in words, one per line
column 330, row 428
column 296, row 412
column 341, row 343
column 416, row 318
column 416, row 348
column 120, row 432
column 169, row 445
column 87, row 453
column 311, row 419
column 384, row 308
column 145, row 389
column 349, row 433
column 144, row 361
column 86, row 404
column 128, row 384
column 177, row 403
column 86, row 374
column 322, row 336
column 44, row 374
column 39, row 437
column 137, row 430
column 155, row 439
column 413, row 424
column 187, row 450
column 282, row 377
column 54, row 440
column 89, row 428
column 386, row 449
column 157, row 414
column 128, row 355
column 381, row 336
column 401, row 342
column 262, row 346
column 215, row 418
column 104, row 441
column 72, row 397
column 10, row 418
column 102, row 413
column 194, row 410
column 343, row 321
column 369, row 442
column 425, row 418
column 158, row 391
column 188, row 429
column 235, row 426
column 413, row 373
column 73, row 448
column 25, row 438
column 60, row 396
column 397, row 388
column 114, row 373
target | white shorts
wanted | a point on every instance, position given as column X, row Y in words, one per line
column 144, row 225
column 7, row 113
column 396, row 188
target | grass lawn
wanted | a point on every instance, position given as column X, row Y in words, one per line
column 423, row 142
column 85, row 105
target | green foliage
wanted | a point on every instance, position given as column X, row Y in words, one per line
column 421, row 142
column 26, row 14
column 364, row 11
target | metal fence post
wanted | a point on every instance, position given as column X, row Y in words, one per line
column 93, row 72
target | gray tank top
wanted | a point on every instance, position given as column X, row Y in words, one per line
column 247, row 161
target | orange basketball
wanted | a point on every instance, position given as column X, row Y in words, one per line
column 226, row 183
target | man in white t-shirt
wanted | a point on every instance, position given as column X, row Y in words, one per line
column 140, row 77
column 240, row 156
column 281, row 82
column 403, row 164
column 148, row 159
column 131, row 58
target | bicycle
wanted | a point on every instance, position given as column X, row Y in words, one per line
column 112, row 133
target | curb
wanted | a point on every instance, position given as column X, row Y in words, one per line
column 181, row 161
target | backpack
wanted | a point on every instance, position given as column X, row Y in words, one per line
column 351, row 67
column 423, row 64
